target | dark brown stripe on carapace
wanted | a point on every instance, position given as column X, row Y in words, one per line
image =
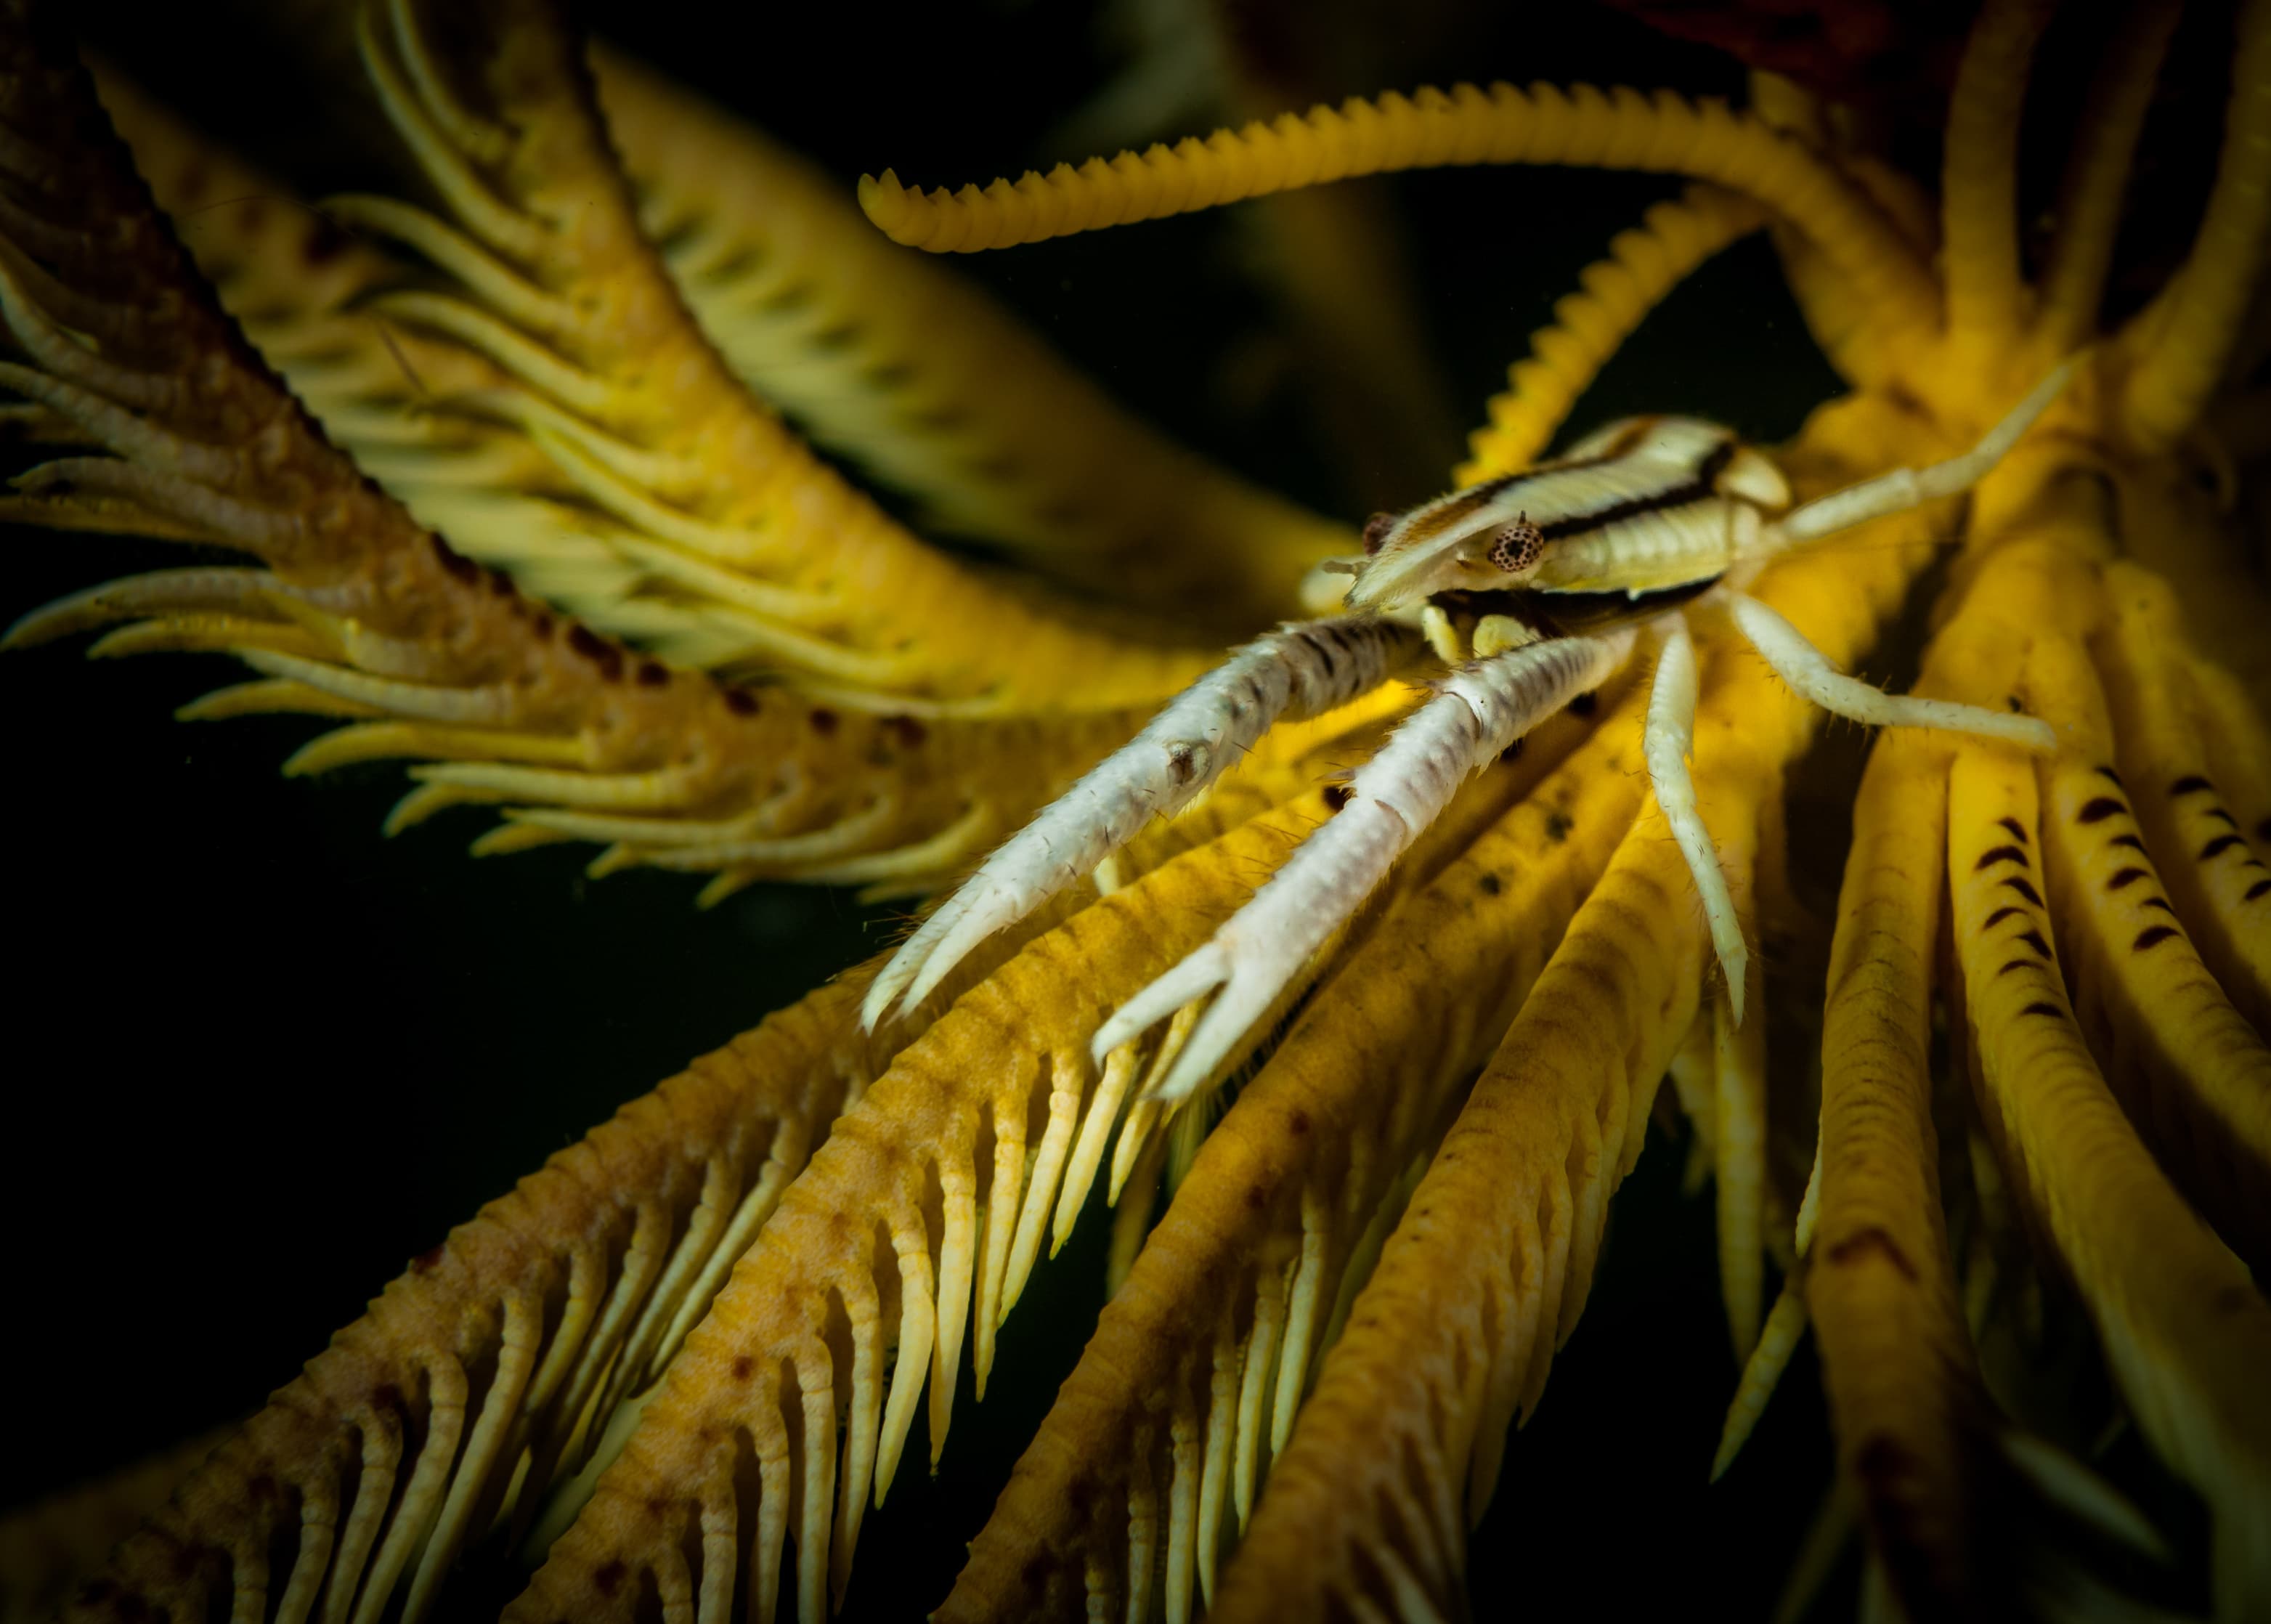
column 1428, row 523
column 1568, row 615
column 1695, row 488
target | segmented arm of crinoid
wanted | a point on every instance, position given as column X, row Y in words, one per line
column 1548, row 1132
column 788, row 567
column 932, row 388
column 2179, row 345
column 1157, row 1442
column 362, row 614
column 1296, row 672
column 1619, row 129
column 760, row 1376
column 1615, row 294
column 49, row 1548
column 491, row 1366
column 1979, row 182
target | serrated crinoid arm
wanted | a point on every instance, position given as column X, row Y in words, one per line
column 775, row 562
column 1155, row 1448
column 1615, row 294
column 915, row 1224
column 360, row 612
column 50, row 1546
column 929, row 386
column 493, row 1363
column 1620, row 128
column 1485, row 1276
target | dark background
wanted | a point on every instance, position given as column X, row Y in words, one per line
column 259, row 1057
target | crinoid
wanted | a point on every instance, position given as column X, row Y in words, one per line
column 1349, row 983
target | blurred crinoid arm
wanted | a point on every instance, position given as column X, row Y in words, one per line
column 931, row 387
column 360, row 613
column 771, row 560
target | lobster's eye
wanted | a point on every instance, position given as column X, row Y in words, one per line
column 1376, row 531
column 1517, row 546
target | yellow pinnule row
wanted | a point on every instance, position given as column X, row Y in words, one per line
column 920, row 1202
column 772, row 561
column 1203, row 1352
column 933, row 387
column 1616, row 294
column 1620, row 128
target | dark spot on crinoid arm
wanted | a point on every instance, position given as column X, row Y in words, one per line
column 1337, row 796
column 824, row 721
column 426, row 1261
column 2017, row 830
column 2024, row 889
column 2000, row 855
column 609, row 1578
column 2257, row 889
column 2126, row 876
column 2152, row 935
column 740, row 701
column 2162, row 903
column 905, row 731
column 652, row 673
column 2034, row 939
column 1297, row 1122
column 1558, row 827
column 2190, row 784
column 460, row 567
column 1585, row 705
column 599, row 650
column 2263, row 832
column 2131, row 841
column 744, row 1365
column 2230, row 822
column 1863, row 1242
column 2050, row 1009
column 2017, row 963
column 2099, row 809
column 1492, row 886
column 2113, row 778
column 2002, row 913
column 2218, row 846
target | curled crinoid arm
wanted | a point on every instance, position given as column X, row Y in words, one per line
column 740, row 549
column 1296, row 672
column 930, row 386
column 1615, row 294
column 1480, row 713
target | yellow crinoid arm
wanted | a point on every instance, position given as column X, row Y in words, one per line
column 2179, row 347
column 746, row 552
column 1614, row 297
column 1620, row 129
column 929, row 385
column 357, row 613
column 1979, row 181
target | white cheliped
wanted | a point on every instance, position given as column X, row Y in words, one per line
column 1649, row 507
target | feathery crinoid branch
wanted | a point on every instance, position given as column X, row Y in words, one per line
column 930, row 386
column 763, row 558
column 360, row 613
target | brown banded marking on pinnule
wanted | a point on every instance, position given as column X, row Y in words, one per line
column 2187, row 1066
column 2182, row 1328
column 2203, row 858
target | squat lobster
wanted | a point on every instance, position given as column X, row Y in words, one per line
column 1533, row 587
